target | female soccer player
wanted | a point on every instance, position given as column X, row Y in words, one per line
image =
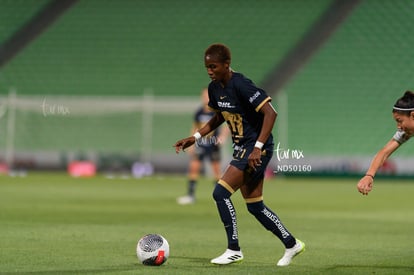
column 206, row 148
column 403, row 113
column 250, row 117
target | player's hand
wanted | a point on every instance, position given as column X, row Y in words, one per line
column 255, row 158
column 183, row 144
column 365, row 185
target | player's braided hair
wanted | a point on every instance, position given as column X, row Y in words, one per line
column 405, row 104
column 219, row 51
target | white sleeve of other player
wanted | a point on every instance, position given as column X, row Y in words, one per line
column 400, row 136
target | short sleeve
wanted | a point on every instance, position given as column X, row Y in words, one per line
column 400, row 136
column 254, row 95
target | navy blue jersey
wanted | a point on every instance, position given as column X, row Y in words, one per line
column 201, row 117
column 239, row 102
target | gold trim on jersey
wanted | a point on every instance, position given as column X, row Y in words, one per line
column 263, row 103
column 225, row 185
column 252, row 200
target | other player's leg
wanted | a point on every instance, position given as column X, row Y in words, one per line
column 193, row 174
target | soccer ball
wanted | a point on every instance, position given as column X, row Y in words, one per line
column 153, row 249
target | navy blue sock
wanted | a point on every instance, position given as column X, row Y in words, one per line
column 271, row 222
column 191, row 187
column 228, row 215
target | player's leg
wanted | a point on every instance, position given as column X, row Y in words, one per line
column 252, row 192
column 193, row 175
column 215, row 159
column 215, row 166
column 268, row 218
column 225, row 187
column 270, row 221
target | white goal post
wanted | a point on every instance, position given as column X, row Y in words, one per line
column 87, row 123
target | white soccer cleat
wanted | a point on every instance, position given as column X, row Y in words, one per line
column 186, row 200
column 298, row 248
column 228, row 257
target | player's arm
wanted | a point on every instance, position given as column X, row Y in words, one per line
column 365, row 183
column 269, row 118
column 194, row 129
column 211, row 125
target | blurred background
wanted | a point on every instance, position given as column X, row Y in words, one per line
column 115, row 83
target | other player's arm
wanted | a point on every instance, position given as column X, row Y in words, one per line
column 211, row 125
column 269, row 118
column 365, row 183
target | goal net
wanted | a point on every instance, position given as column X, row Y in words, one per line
column 64, row 126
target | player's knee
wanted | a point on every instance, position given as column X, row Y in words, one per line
column 255, row 207
column 220, row 193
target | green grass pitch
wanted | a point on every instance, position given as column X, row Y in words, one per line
column 53, row 224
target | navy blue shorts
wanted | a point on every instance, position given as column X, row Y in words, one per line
column 240, row 161
column 211, row 152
